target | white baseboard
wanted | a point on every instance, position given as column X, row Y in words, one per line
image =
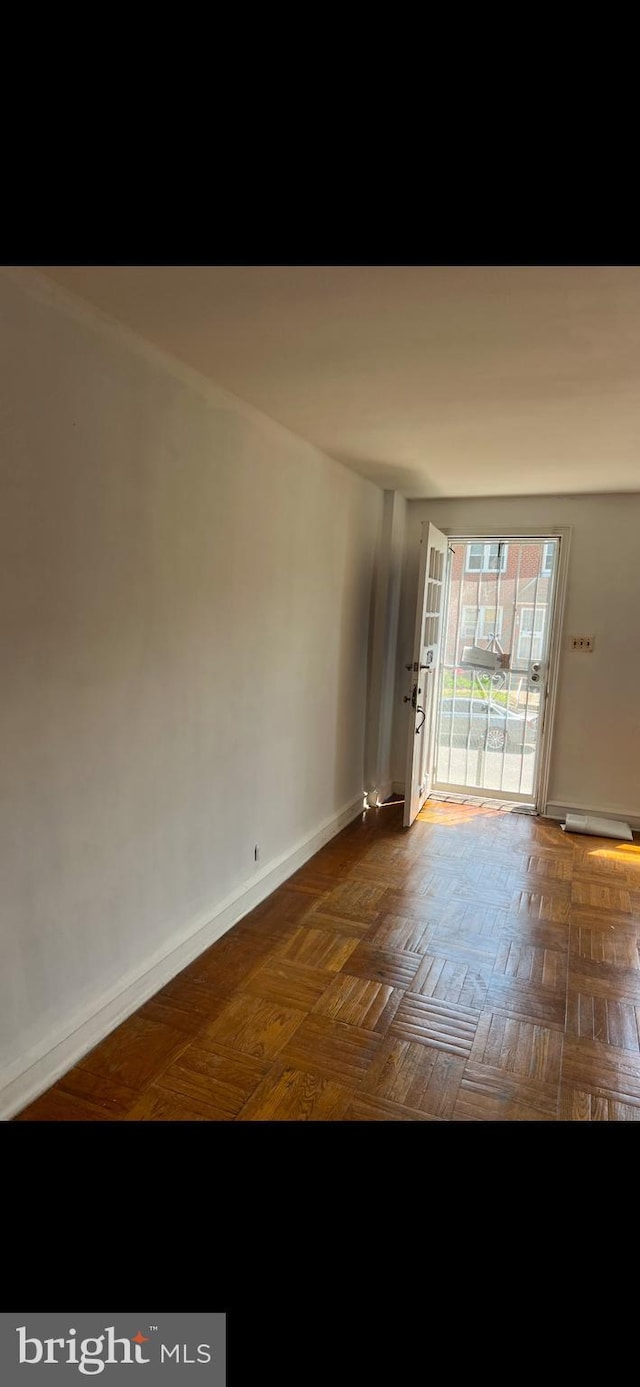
column 554, row 810
column 23, row 1081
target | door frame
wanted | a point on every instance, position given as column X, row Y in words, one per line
column 435, row 543
column 563, row 534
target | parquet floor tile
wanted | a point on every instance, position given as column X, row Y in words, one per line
column 216, row 1075
column 526, row 1002
column 385, row 875
column 161, row 1105
column 617, row 866
column 295, row 985
column 607, row 1071
column 478, row 950
column 600, row 1018
column 181, row 1017
column 602, row 944
column 401, row 933
column 333, row 1049
column 359, row 1002
column 441, row 1025
column 364, row 1109
column 551, row 865
column 252, row 1026
column 108, row 1094
column 345, row 925
column 541, row 905
column 226, row 963
column 416, row 1076
column 543, row 934
column 481, row 967
column 601, row 895
column 484, row 893
column 609, row 980
column 82, row 1097
column 524, row 1049
column 395, row 967
column 489, row 1093
column 293, row 1095
column 58, row 1106
column 355, row 900
column 531, row 963
column 319, row 948
column 312, row 880
column 455, row 978
column 468, row 918
column 188, row 993
column 579, row 1106
column 136, row 1053
column 411, row 903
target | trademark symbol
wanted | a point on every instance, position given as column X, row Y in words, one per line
column 153, row 1327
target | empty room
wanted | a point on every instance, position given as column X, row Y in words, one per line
column 320, row 718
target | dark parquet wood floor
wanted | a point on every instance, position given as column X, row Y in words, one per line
column 481, row 966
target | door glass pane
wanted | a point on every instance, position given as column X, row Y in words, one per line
column 487, row 558
column 531, row 633
column 499, row 598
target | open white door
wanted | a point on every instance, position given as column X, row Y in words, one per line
column 423, row 671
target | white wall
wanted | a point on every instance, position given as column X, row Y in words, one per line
column 185, row 605
column 383, row 645
column 595, row 760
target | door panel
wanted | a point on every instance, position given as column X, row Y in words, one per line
column 423, row 670
column 501, row 598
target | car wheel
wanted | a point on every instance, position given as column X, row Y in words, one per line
column 496, row 738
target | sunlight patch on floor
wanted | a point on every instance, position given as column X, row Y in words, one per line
column 629, row 853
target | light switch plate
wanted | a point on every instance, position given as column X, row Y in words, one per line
column 581, row 642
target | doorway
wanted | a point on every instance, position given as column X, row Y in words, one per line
column 494, row 667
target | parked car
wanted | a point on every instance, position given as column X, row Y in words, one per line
column 478, row 722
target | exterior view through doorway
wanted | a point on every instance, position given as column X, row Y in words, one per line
column 482, row 667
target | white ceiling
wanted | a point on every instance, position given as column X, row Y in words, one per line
column 436, row 381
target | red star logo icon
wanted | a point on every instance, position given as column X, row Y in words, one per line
column 140, row 1338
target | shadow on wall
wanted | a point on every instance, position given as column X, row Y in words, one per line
column 407, row 479
column 356, row 618
column 404, row 653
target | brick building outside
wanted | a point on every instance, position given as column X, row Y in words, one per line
column 502, row 589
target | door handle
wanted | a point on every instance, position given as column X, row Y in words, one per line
column 413, row 697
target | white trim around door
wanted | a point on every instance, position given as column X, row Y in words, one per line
column 542, row 532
